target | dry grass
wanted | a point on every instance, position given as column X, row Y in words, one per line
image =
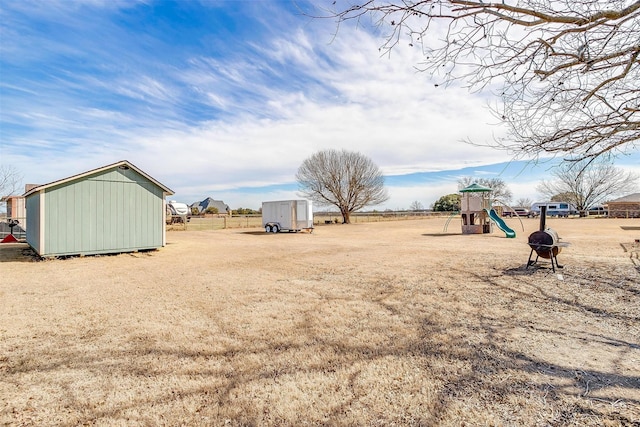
column 369, row 324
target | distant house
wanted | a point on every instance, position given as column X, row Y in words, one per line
column 211, row 203
column 112, row 209
column 625, row 207
column 15, row 207
column 16, row 215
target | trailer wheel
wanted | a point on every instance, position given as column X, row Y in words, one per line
column 267, row 228
column 275, row 228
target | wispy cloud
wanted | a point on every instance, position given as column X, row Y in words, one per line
column 220, row 98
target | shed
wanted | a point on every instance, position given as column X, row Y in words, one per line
column 113, row 209
column 625, row 207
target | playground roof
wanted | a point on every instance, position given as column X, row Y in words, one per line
column 475, row 188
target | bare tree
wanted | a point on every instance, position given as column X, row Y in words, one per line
column 416, row 206
column 524, row 203
column 586, row 184
column 10, row 180
column 345, row 179
column 567, row 72
column 500, row 190
column 562, row 197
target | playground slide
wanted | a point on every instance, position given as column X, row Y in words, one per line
column 500, row 223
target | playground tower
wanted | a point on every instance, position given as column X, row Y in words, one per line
column 475, row 203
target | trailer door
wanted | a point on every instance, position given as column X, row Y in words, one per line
column 285, row 215
column 304, row 213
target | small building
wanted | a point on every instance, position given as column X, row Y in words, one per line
column 15, row 207
column 16, row 216
column 113, row 209
column 625, row 207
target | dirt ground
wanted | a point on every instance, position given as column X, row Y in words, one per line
column 380, row 324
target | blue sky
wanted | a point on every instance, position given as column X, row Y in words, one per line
column 225, row 99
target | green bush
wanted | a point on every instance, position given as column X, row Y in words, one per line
column 448, row 203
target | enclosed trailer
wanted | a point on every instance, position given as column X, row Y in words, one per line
column 287, row 215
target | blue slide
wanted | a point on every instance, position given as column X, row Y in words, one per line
column 500, row 223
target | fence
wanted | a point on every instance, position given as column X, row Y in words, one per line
column 624, row 213
column 18, row 230
column 219, row 222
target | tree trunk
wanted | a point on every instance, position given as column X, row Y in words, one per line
column 345, row 216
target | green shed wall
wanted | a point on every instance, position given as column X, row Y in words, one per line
column 117, row 210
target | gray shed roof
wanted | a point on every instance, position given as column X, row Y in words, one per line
column 122, row 163
column 631, row 198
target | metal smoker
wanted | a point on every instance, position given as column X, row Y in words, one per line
column 545, row 243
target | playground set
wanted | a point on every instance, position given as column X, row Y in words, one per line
column 478, row 217
column 477, row 213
